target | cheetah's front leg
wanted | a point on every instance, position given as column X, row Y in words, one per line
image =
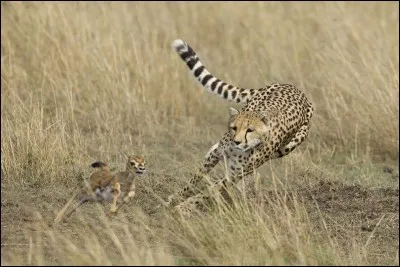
column 212, row 157
column 191, row 204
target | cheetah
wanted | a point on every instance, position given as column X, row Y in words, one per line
column 273, row 122
column 106, row 186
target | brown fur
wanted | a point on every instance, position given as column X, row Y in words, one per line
column 126, row 179
column 104, row 185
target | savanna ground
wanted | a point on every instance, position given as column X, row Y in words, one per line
column 82, row 81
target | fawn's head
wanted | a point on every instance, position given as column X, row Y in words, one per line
column 136, row 164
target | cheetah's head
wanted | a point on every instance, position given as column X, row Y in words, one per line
column 247, row 129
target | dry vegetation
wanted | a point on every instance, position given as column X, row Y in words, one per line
column 82, row 81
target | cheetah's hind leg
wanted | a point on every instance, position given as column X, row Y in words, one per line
column 299, row 137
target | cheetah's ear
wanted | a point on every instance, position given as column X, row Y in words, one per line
column 233, row 111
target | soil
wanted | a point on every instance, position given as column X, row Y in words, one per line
column 370, row 215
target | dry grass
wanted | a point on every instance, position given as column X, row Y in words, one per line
column 82, row 81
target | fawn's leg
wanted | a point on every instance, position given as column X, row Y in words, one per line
column 116, row 193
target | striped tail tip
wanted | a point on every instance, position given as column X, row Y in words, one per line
column 179, row 46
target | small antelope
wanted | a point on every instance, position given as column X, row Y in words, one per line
column 126, row 180
column 106, row 186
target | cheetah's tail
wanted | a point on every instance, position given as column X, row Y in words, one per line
column 211, row 83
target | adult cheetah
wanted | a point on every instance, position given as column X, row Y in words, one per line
column 273, row 122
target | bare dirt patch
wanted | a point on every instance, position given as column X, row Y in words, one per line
column 351, row 212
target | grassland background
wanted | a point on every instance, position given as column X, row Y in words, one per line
column 82, row 81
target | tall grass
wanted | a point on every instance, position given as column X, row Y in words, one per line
column 268, row 229
column 81, row 81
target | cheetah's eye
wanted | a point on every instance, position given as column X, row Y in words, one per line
column 132, row 163
column 250, row 130
column 234, row 128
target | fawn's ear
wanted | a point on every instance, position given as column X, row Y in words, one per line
column 123, row 154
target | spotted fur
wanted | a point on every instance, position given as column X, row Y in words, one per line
column 273, row 122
